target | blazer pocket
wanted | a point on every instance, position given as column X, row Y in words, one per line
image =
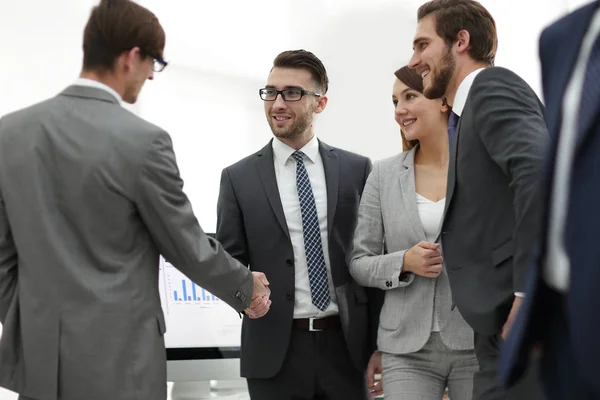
column 502, row 253
column 393, row 307
column 162, row 325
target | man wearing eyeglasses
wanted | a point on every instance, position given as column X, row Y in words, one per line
column 90, row 195
column 289, row 211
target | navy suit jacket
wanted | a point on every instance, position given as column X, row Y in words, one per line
column 559, row 49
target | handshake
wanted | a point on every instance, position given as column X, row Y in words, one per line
column 260, row 297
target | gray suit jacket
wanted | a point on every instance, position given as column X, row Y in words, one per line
column 252, row 227
column 90, row 195
column 493, row 205
column 388, row 225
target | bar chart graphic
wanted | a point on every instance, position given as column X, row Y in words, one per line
column 194, row 316
column 181, row 290
column 197, row 293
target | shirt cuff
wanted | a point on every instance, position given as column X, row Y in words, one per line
column 520, row 294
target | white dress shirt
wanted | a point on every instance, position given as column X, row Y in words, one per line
column 285, row 173
column 556, row 271
column 431, row 213
column 462, row 93
column 98, row 85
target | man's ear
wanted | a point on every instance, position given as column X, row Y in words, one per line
column 130, row 57
column 321, row 104
column 463, row 40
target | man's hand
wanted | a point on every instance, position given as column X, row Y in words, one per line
column 424, row 259
column 260, row 304
column 374, row 367
column 511, row 316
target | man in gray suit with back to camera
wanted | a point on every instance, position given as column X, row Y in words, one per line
column 90, row 196
column 498, row 138
column 289, row 211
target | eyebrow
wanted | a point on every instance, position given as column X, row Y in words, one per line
column 285, row 87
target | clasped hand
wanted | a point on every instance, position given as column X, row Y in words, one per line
column 260, row 304
column 424, row 259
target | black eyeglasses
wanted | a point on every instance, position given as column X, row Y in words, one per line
column 291, row 94
column 158, row 64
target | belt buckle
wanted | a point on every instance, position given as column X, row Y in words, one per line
column 311, row 327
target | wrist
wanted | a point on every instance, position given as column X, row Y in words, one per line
column 406, row 264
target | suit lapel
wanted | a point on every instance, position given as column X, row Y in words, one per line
column 565, row 58
column 331, row 166
column 408, row 190
column 586, row 124
column 451, row 183
column 266, row 171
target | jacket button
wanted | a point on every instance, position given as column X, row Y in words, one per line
column 289, row 296
column 289, row 262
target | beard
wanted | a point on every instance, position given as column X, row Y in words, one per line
column 298, row 127
column 441, row 79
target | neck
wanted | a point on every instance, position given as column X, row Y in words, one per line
column 459, row 76
column 107, row 78
column 433, row 150
column 299, row 142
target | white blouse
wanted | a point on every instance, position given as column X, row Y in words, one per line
column 431, row 213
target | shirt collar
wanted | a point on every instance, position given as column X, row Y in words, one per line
column 283, row 152
column 98, row 85
column 463, row 92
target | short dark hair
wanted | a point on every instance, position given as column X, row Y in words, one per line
column 116, row 26
column 452, row 16
column 414, row 81
column 306, row 60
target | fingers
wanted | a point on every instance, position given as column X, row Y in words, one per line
column 258, row 307
column 260, row 289
column 428, row 245
column 435, row 261
column 370, row 376
column 433, row 270
column 376, row 390
column 262, row 277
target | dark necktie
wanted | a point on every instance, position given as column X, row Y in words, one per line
column 452, row 122
column 315, row 260
column 590, row 95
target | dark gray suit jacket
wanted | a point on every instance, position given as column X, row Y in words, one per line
column 90, row 195
column 492, row 212
column 252, row 227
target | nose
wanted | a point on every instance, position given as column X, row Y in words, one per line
column 400, row 110
column 414, row 61
column 151, row 77
column 279, row 103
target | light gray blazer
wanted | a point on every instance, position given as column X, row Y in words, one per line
column 90, row 195
column 388, row 225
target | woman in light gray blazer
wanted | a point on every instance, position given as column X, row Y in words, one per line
column 426, row 345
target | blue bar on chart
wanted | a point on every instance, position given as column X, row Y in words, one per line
column 175, row 295
column 194, row 292
column 185, row 297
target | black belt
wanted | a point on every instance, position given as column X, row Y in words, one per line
column 318, row 324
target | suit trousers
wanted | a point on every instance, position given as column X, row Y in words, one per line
column 425, row 374
column 559, row 371
column 486, row 384
column 317, row 366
